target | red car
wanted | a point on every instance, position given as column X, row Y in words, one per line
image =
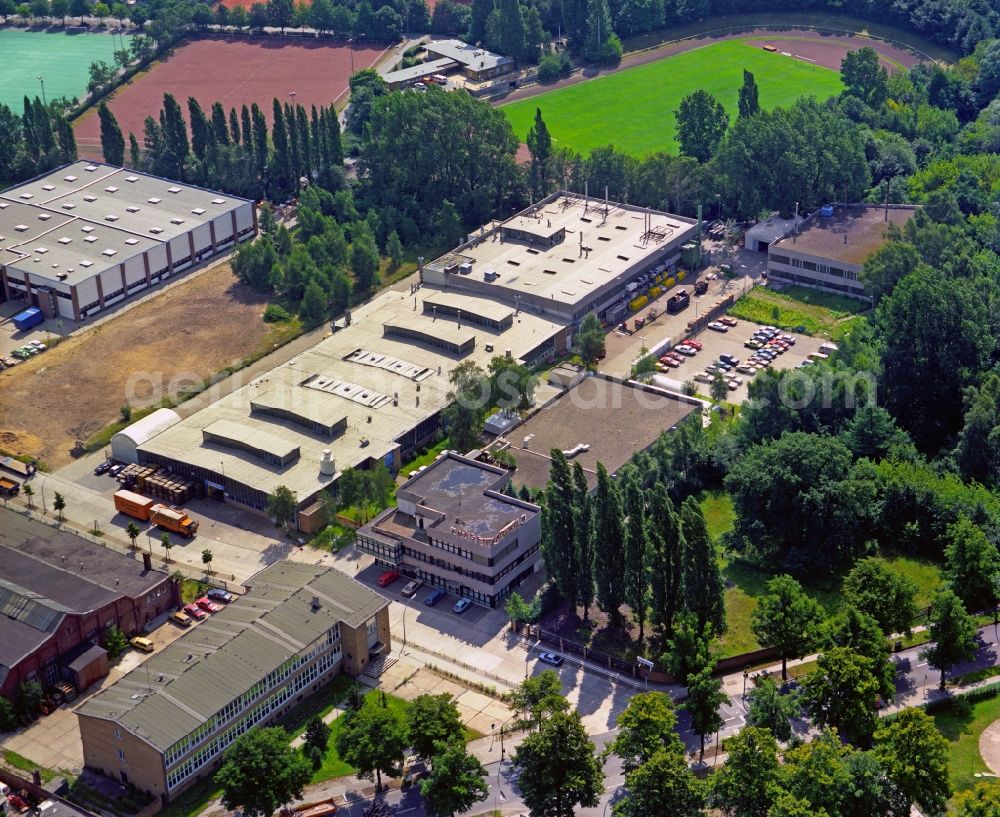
column 727, row 320
column 207, row 605
column 388, row 578
column 694, row 344
column 195, row 612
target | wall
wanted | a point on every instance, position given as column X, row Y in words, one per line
column 355, row 643
column 102, row 740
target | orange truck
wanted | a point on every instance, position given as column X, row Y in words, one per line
column 133, row 504
column 147, row 510
column 176, row 521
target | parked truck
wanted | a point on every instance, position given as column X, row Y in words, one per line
column 134, row 505
column 8, row 487
column 176, row 521
column 28, row 318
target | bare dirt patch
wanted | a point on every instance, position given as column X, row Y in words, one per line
column 183, row 336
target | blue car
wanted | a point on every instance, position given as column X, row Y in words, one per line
column 461, row 606
column 435, row 597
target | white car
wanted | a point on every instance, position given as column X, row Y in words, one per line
column 690, row 351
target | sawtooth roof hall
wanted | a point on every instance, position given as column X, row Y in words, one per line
column 374, row 389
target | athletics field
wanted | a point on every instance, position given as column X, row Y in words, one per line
column 61, row 59
column 634, row 109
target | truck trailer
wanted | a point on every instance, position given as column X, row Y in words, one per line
column 8, row 487
column 134, row 505
column 176, row 521
column 28, row 318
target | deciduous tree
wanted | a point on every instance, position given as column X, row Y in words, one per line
column 373, row 740
column 662, row 785
column 456, row 783
column 915, row 756
column 261, row 772
column 433, row 719
column 746, row 786
column 787, row 619
column 953, row 633
column 701, row 124
column 886, row 596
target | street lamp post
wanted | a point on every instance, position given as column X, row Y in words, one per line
column 746, row 674
column 350, row 43
column 41, row 80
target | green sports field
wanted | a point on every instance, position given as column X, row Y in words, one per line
column 634, row 109
column 61, row 59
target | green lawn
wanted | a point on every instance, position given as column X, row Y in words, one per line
column 962, row 726
column 634, row 109
column 820, row 313
column 61, row 60
column 333, row 765
column 718, row 510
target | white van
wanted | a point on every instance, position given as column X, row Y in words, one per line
column 828, row 348
column 818, row 356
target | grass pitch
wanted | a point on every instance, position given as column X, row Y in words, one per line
column 634, row 109
column 61, row 59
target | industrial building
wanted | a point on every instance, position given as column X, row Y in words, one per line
column 59, row 594
column 373, row 391
column 454, row 528
column 86, row 236
column 827, row 251
column 165, row 725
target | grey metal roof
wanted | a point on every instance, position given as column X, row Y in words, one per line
column 472, row 56
column 423, row 69
column 185, row 684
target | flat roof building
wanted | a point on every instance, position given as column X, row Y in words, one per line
column 829, row 249
column 165, row 725
column 477, row 63
column 59, row 594
column 454, row 528
column 88, row 235
column 566, row 256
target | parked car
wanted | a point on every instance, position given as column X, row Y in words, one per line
column 114, row 469
column 672, row 362
column 727, row 320
column 689, row 351
column 220, row 595
column 102, row 468
column 718, row 327
column 753, row 344
column 195, row 611
column 435, row 597
column 551, row 658
column 746, row 368
column 181, row 619
column 142, row 644
column 732, row 360
column 703, row 377
column 411, row 588
column 461, row 606
column 207, row 605
column 694, row 344
column 388, row 578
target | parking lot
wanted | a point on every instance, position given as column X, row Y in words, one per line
column 731, row 342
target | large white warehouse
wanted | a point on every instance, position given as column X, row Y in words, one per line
column 86, row 236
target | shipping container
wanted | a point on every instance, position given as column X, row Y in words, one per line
column 134, row 505
column 28, row 318
column 8, row 487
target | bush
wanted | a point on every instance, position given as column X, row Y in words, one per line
column 276, row 314
column 554, row 66
column 8, row 718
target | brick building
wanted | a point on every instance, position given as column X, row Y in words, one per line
column 59, row 594
column 165, row 725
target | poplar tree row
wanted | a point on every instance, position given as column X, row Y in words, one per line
column 625, row 546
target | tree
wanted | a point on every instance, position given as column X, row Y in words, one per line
column 206, row 559
column 112, row 141
column 316, row 739
column 953, row 633
column 787, row 619
column 663, row 785
column 746, row 786
column 701, row 124
column 539, row 143
column 29, row 698
column 433, row 719
column 115, row 641
column 538, row 697
column 60, row 8
column 364, row 257
column 860, row 633
column 863, row 77
column 718, row 390
column 584, row 561
column 590, row 339
column 843, row 692
column 689, row 647
column 973, row 565
column 557, row 768
column 456, row 782
column 607, row 537
column 666, row 549
column 558, row 543
column 702, row 579
column 769, row 709
column 886, row 267
column 59, row 504
column 282, row 505
column 512, row 386
column 8, row 716
column 646, row 727
column 983, row 800
column 705, row 696
column 635, row 577
column 749, row 102
column 314, row 303
column 132, row 531
column 373, row 740
column 29, row 492
column 394, row 249
column 887, row 597
column 261, row 772
column 816, row 773
column 167, row 545
column 465, row 416
column 915, row 756
column 518, row 610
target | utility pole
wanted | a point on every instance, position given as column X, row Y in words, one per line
column 41, row 81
